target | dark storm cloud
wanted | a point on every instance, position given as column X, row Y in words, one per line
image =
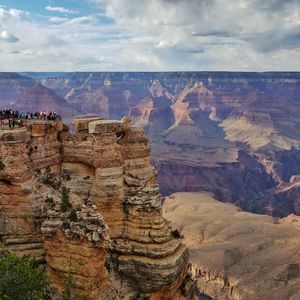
column 275, row 5
column 214, row 33
column 275, row 40
column 190, row 50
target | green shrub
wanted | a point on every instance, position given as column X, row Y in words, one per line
column 67, row 292
column 20, row 278
column 50, row 201
column 49, row 178
column 2, row 165
column 176, row 234
column 73, row 216
column 65, row 200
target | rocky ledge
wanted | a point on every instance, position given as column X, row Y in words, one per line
column 88, row 206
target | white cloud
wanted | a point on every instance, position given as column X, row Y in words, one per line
column 61, row 9
column 29, row 52
column 12, row 12
column 57, row 19
column 158, row 35
column 8, row 37
column 80, row 20
column 164, row 44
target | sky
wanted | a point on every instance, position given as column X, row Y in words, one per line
column 149, row 35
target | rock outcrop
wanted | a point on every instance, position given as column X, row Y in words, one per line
column 76, row 253
column 24, row 152
column 87, row 204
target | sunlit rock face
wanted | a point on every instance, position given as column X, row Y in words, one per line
column 115, row 242
column 236, row 254
column 24, row 151
column 204, row 126
column 120, row 181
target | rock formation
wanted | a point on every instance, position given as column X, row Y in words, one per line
column 88, row 205
column 238, row 128
column 235, row 254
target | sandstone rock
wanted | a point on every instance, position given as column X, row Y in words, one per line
column 106, row 126
column 81, row 124
column 111, row 184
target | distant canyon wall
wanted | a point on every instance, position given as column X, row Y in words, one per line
column 235, row 134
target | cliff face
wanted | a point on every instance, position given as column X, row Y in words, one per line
column 114, row 242
column 23, row 152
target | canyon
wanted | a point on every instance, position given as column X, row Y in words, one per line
column 205, row 136
column 87, row 206
column 230, row 133
column 235, row 254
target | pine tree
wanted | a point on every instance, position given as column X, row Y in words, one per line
column 48, row 178
column 65, row 200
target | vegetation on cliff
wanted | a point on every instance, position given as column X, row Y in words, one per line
column 20, row 278
column 49, row 178
column 65, row 200
column 2, row 165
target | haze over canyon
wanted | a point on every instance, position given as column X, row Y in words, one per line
column 233, row 134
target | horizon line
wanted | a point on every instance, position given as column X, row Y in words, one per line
column 146, row 71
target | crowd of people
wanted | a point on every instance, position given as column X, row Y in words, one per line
column 14, row 118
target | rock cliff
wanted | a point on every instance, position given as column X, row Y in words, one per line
column 87, row 204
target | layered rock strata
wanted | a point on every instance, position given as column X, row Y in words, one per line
column 120, row 181
column 76, row 253
column 114, row 242
column 24, row 153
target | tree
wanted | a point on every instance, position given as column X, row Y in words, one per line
column 20, row 278
column 65, row 200
column 73, row 216
column 49, row 178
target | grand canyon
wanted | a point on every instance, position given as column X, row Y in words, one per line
column 225, row 150
column 233, row 134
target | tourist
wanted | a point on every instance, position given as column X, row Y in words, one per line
column 13, row 118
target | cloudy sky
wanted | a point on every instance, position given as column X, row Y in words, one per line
column 149, row 35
